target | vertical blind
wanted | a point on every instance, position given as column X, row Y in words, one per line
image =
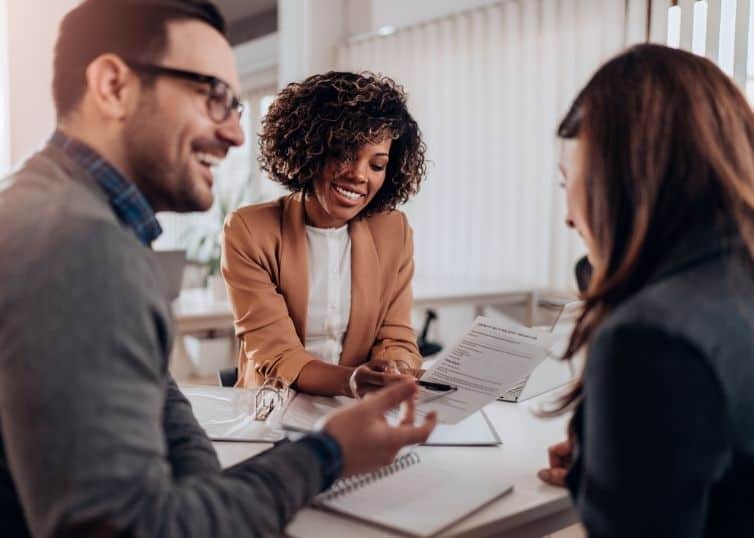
column 487, row 87
column 721, row 30
column 4, row 92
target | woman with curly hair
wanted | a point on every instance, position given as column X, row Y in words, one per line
column 320, row 280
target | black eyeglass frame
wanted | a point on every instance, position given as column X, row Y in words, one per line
column 214, row 82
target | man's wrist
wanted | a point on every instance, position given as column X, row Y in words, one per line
column 330, row 455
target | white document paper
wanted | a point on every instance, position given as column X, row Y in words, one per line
column 305, row 413
column 474, row 430
column 563, row 327
column 553, row 372
column 226, row 414
column 490, row 358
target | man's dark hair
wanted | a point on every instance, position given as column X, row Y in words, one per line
column 133, row 29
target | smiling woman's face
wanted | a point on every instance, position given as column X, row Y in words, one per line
column 572, row 167
column 344, row 189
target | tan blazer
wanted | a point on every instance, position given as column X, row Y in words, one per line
column 264, row 263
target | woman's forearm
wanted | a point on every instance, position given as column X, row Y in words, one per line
column 324, row 379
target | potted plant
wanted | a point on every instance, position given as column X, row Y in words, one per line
column 202, row 240
column 211, row 351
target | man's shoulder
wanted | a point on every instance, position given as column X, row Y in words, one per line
column 73, row 246
column 48, row 216
column 43, row 194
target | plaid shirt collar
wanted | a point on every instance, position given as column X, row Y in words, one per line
column 127, row 201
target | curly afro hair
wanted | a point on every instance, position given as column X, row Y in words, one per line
column 331, row 116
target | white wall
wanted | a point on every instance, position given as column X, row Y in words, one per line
column 398, row 13
column 31, row 39
column 4, row 108
column 32, row 28
column 311, row 30
column 257, row 62
column 309, row 33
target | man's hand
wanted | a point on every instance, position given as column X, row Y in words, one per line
column 373, row 376
column 560, row 462
column 367, row 440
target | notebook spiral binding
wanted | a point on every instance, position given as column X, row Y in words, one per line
column 344, row 486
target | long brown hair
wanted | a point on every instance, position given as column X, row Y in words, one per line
column 668, row 142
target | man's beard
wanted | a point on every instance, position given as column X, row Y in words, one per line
column 167, row 186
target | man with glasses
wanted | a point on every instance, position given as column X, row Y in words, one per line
column 95, row 437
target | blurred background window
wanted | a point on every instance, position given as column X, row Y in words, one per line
column 237, row 182
column 4, row 89
column 722, row 30
column 487, row 81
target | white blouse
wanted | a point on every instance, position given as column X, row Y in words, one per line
column 329, row 291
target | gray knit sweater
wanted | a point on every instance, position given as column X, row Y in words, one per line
column 94, row 434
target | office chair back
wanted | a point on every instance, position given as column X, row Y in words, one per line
column 228, row 377
column 427, row 348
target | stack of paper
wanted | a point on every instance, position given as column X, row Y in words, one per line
column 490, row 359
column 227, row 414
column 306, row 413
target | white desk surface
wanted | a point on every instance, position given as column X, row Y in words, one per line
column 447, row 291
column 532, row 509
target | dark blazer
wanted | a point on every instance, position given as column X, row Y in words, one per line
column 664, row 434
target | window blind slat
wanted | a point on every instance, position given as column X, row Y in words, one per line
column 713, row 30
column 741, row 46
column 687, row 23
column 488, row 87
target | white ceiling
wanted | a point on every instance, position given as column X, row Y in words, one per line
column 234, row 10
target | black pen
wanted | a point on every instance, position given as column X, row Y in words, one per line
column 439, row 387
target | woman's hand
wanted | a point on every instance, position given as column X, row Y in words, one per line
column 375, row 374
column 560, row 462
column 394, row 367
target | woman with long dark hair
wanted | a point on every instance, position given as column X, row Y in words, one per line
column 659, row 165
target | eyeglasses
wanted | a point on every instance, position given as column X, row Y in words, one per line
column 221, row 100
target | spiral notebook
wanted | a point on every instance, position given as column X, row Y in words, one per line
column 421, row 493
